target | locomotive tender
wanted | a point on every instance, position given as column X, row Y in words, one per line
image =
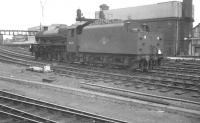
column 106, row 43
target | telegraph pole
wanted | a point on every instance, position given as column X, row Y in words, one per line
column 42, row 4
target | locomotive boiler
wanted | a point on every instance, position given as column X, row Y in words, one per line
column 127, row 44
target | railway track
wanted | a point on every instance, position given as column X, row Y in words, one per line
column 162, row 81
column 183, row 67
column 21, row 61
column 11, row 118
column 16, row 49
column 16, row 54
column 187, row 108
column 174, row 76
column 189, row 67
column 168, row 101
column 179, row 70
column 136, row 81
column 28, row 109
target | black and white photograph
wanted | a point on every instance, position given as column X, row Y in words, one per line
column 100, row 61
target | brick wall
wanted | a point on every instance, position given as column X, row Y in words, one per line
column 174, row 31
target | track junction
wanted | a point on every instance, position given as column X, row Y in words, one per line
column 164, row 86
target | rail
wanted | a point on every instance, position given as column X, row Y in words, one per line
column 16, row 99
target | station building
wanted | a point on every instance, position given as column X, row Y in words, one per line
column 173, row 19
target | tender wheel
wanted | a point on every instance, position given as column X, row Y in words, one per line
column 133, row 66
column 144, row 66
column 150, row 64
column 36, row 55
column 159, row 61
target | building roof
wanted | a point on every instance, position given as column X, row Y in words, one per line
column 35, row 28
column 197, row 26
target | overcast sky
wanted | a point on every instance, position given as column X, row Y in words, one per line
column 21, row 14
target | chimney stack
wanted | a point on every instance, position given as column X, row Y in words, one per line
column 104, row 7
column 185, row 28
column 187, row 9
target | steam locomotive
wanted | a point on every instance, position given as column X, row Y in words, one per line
column 111, row 43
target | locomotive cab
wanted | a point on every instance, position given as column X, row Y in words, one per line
column 74, row 32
